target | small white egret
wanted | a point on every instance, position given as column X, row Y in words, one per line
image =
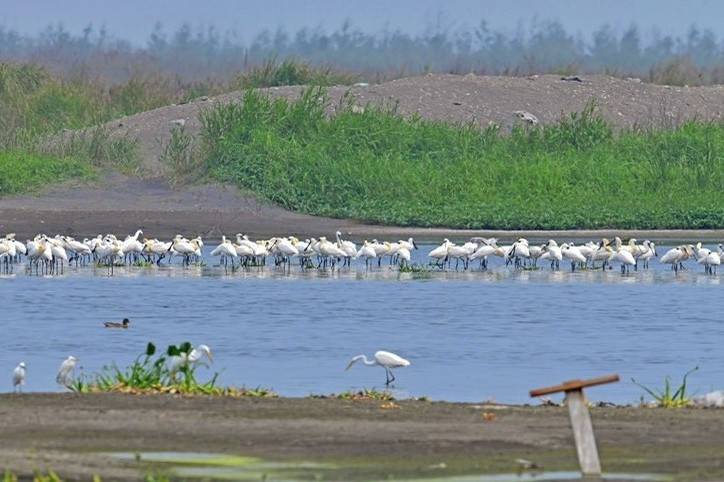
column 190, row 359
column 65, row 372
column 19, row 377
column 386, row 360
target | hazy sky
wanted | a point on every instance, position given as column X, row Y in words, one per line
column 134, row 19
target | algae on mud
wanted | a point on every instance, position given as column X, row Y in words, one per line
column 375, row 165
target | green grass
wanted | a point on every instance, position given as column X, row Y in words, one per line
column 150, row 373
column 25, row 171
column 380, row 167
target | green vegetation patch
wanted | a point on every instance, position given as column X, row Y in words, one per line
column 375, row 165
column 170, row 372
column 273, row 73
column 24, row 171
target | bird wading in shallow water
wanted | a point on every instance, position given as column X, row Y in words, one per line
column 386, row 360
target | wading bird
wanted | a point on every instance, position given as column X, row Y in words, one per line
column 66, row 371
column 191, row 359
column 19, row 377
column 386, row 360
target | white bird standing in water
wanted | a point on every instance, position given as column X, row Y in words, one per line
column 384, row 359
column 65, row 372
column 19, row 377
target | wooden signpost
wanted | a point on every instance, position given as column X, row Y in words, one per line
column 580, row 419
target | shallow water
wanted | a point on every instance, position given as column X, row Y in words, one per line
column 471, row 336
column 226, row 467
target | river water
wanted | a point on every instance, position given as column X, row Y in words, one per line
column 471, row 336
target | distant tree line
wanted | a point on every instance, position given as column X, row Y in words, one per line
column 543, row 47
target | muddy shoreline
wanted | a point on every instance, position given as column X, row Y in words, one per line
column 120, row 205
column 68, row 432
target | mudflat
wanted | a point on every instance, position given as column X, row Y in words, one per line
column 119, row 204
column 368, row 440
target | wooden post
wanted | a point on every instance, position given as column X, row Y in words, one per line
column 580, row 419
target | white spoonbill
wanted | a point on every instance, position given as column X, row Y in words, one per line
column 226, row 250
column 366, row 252
column 623, row 256
column 439, row 254
column 573, row 254
column 676, row 256
column 19, row 377
column 349, row 248
column 404, row 255
column 65, row 372
column 552, row 251
column 386, row 360
column 709, row 259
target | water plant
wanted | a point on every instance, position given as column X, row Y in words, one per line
column 376, row 165
column 668, row 397
column 167, row 372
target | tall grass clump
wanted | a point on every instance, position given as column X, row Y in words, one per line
column 273, row 73
column 181, row 154
column 46, row 128
column 375, row 165
column 668, row 397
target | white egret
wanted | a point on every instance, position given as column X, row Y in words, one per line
column 19, row 377
column 66, row 371
column 386, row 360
column 190, row 359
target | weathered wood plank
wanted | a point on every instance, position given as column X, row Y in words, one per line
column 573, row 385
column 583, row 433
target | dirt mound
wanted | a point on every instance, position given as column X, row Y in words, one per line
column 469, row 98
column 120, row 204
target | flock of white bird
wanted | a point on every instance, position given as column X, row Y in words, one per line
column 51, row 254
column 196, row 357
column 521, row 253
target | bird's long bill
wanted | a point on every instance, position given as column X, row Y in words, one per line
column 211, row 358
column 349, row 365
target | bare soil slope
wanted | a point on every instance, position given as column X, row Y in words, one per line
column 470, row 98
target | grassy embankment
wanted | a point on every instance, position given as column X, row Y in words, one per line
column 377, row 166
column 47, row 131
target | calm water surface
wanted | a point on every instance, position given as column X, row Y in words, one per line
column 471, row 336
